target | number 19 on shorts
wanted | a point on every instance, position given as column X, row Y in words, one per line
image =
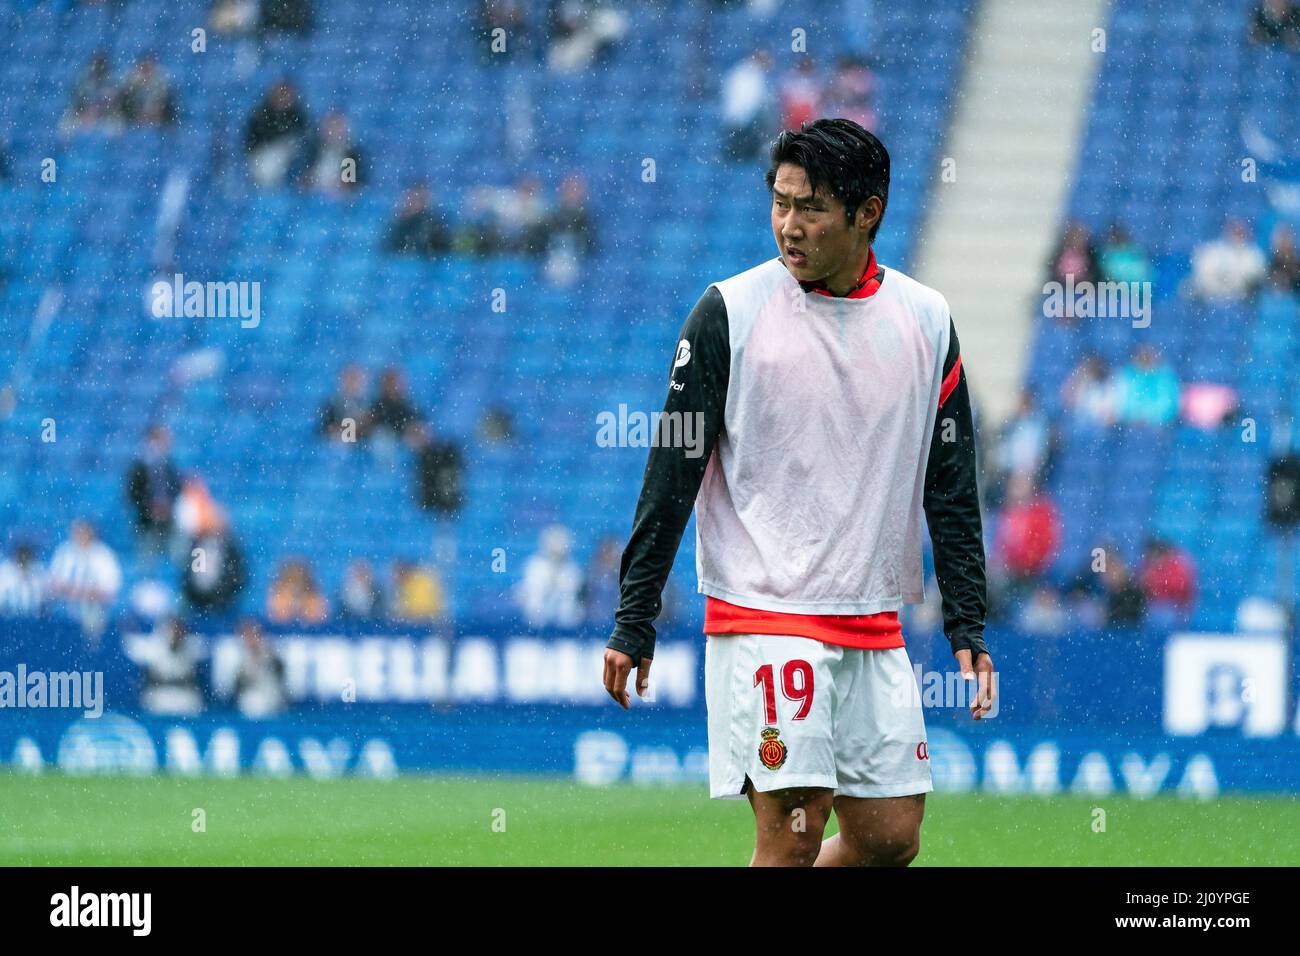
column 797, row 686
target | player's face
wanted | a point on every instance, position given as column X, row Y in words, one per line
column 812, row 233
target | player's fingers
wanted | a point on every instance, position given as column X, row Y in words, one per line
column 643, row 677
column 611, row 676
column 607, row 676
column 973, row 690
column 618, row 689
column 985, row 691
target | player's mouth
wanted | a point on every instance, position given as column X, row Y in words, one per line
column 795, row 257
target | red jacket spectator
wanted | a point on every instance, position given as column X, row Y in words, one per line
column 1029, row 532
column 1168, row 575
column 801, row 95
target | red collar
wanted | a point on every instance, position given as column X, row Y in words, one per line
column 866, row 287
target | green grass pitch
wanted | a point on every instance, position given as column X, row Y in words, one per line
column 513, row 821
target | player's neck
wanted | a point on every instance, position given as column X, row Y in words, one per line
column 845, row 280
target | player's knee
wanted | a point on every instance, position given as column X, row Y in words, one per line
column 907, row 852
column 781, row 846
column 795, row 849
column 792, row 836
column 885, row 849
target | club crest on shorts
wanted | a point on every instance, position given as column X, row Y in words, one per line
column 772, row 750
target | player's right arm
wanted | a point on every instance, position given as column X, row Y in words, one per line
column 697, row 385
column 952, row 511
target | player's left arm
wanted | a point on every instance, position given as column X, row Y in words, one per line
column 952, row 513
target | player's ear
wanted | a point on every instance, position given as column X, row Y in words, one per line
column 869, row 213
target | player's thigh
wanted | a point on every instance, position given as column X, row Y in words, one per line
column 880, row 831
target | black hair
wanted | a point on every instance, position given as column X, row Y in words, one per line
column 841, row 155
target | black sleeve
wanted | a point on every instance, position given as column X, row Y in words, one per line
column 697, row 386
column 952, row 510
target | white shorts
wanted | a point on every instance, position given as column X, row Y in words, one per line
column 788, row 711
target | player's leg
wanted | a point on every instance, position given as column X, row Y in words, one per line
column 882, row 762
column 771, row 700
column 875, row 831
column 788, row 825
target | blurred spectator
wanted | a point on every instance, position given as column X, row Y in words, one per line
column 1277, row 23
column 746, row 104
column 1284, row 260
column 852, row 93
column 360, row 597
column 1122, row 259
column 600, row 591
column 148, row 602
column 416, row 228
column 259, row 681
column 580, row 30
column 496, row 425
column 552, row 582
column 1230, row 267
column 85, row 574
column 1076, row 257
column 1044, row 615
column 1208, row 405
column 286, row 16
column 1023, row 448
column 234, row 17
column 170, row 661
column 1125, row 603
column 438, row 470
column 294, row 597
column 1088, row 394
column 22, row 583
column 275, row 134
column 346, row 413
column 196, row 511
column 510, row 16
column 570, row 221
column 152, row 486
column 392, row 409
column 1168, row 580
column 95, row 100
column 146, row 97
column 1027, row 535
column 333, row 147
column 1107, row 593
column 509, row 219
column 800, row 95
column 417, row 593
column 1146, row 390
column 214, row 576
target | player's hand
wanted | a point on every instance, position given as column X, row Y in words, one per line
column 617, row 666
column 982, row 673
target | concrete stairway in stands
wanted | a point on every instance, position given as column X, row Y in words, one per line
column 1011, row 149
